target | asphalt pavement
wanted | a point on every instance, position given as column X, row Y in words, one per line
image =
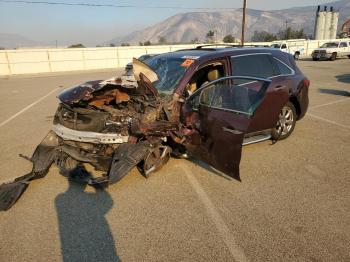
column 293, row 203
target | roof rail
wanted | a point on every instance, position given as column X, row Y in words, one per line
column 227, row 45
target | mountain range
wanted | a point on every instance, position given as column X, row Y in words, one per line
column 15, row 41
column 186, row 27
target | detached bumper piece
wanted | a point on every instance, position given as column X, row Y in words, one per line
column 42, row 159
column 50, row 151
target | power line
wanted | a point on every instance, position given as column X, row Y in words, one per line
column 115, row 6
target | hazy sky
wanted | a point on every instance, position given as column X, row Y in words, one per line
column 95, row 25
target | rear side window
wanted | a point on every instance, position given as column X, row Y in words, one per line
column 253, row 65
column 282, row 67
column 343, row 44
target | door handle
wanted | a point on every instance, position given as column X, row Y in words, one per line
column 278, row 88
column 232, row 131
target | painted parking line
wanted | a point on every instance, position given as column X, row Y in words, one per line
column 330, row 103
column 328, row 121
column 236, row 252
column 28, row 107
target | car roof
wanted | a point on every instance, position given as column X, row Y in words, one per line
column 210, row 53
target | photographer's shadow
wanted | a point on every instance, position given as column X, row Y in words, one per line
column 84, row 231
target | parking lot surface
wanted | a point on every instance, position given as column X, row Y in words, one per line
column 293, row 203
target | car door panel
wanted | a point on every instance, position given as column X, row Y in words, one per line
column 220, row 131
column 266, row 116
column 221, row 139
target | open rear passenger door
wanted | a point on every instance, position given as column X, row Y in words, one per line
column 224, row 109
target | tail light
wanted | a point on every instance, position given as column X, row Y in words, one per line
column 306, row 82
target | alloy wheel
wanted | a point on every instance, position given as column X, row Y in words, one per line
column 285, row 122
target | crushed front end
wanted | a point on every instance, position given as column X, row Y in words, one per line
column 111, row 125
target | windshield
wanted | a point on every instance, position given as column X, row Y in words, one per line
column 275, row 46
column 169, row 69
column 329, row 45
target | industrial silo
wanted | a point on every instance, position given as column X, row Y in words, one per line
column 327, row 24
column 334, row 25
column 319, row 24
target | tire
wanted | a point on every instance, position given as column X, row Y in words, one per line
column 333, row 57
column 296, row 56
column 284, row 129
column 315, row 59
column 349, row 56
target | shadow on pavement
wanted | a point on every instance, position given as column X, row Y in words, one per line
column 334, row 92
column 210, row 169
column 343, row 78
column 84, row 231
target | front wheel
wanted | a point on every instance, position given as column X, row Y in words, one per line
column 333, row 57
column 286, row 122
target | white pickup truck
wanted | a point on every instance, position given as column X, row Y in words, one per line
column 294, row 48
column 332, row 50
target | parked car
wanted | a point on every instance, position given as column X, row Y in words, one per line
column 204, row 102
column 332, row 50
column 294, row 48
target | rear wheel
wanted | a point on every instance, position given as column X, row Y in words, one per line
column 315, row 59
column 333, row 57
column 349, row 56
column 296, row 55
column 286, row 122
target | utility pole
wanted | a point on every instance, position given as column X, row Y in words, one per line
column 243, row 21
column 286, row 29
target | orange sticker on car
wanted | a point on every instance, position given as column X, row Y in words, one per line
column 187, row 63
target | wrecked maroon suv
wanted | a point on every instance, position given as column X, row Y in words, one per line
column 206, row 103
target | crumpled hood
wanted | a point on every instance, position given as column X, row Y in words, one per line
column 85, row 91
column 82, row 92
column 140, row 82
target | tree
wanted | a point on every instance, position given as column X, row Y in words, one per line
column 111, row 45
column 147, row 43
column 125, row 44
column 229, row 39
column 263, row 36
column 76, row 46
column 2, row 48
column 195, row 41
column 162, row 40
column 210, row 36
column 290, row 33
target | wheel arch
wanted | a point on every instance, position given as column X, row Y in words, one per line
column 296, row 104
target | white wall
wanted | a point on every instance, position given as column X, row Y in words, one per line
column 30, row 61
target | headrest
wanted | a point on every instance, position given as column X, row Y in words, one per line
column 213, row 75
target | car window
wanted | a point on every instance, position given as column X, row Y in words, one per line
column 259, row 65
column 238, row 98
column 330, row 45
column 343, row 44
column 284, row 46
column 283, row 68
